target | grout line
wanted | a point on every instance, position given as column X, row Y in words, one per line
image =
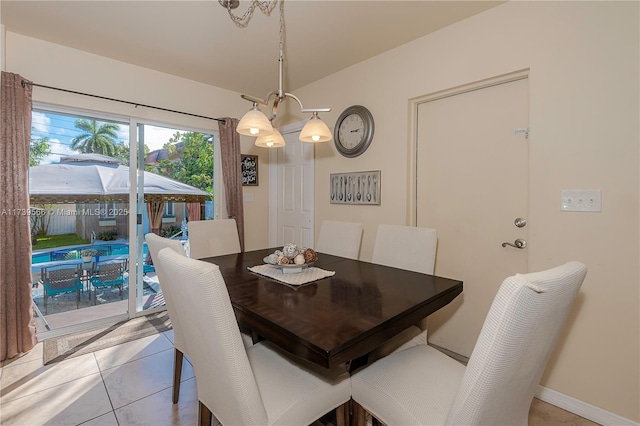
column 34, row 375
column 105, row 389
column 132, row 360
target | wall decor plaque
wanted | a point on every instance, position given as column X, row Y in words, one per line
column 249, row 170
column 355, row 188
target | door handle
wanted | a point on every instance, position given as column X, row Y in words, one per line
column 519, row 244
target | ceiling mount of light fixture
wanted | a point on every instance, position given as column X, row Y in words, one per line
column 253, row 122
column 229, row 4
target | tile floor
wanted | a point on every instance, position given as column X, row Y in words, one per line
column 128, row 384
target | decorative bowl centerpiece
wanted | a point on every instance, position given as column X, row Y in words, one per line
column 292, row 259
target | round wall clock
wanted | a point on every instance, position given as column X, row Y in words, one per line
column 353, row 131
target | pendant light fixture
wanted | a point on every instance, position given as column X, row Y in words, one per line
column 255, row 122
column 274, row 140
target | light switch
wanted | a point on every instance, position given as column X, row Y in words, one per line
column 583, row 200
column 247, row 197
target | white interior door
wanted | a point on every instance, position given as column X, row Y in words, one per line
column 472, row 184
column 295, row 192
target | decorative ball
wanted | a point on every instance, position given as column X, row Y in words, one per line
column 290, row 250
column 310, row 255
column 283, row 260
column 272, row 259
column 299, row 259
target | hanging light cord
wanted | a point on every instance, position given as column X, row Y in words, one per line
column 281, row 57
column 255, row 122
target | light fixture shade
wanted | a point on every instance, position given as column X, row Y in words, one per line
column 254, row 123
column 315, row 131
column 274, row 140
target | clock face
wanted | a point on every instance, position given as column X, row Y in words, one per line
column 353, row 131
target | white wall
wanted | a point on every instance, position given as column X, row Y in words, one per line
column 58, row 66
column 584, row 109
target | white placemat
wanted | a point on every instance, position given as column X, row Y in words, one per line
column 306, row 276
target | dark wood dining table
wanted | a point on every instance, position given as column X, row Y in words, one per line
column 337, row 319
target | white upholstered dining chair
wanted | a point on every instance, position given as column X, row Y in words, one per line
column 216, row 237
column 242, row 386
column 413, row 249
column 155, row 243
column 340, row 239
column 422, row 386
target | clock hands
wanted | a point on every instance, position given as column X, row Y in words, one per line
column 356, row 130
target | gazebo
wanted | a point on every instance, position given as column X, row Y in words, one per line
column 99, row 179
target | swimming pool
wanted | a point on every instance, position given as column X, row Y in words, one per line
column 70, row 253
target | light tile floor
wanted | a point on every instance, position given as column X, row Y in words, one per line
column 128, row 384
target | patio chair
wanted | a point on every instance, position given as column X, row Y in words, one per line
column 61, row 279
column 108, row 273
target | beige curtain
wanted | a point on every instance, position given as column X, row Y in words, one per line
column 232, row 173
column 194, row 211
column 155, row 210
column 17, row 325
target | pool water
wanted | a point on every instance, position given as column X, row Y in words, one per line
column 70, row 253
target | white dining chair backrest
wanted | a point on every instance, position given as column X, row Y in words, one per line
column 414, row 249
column 406, row 247
column 224, row 378
column 216, row 237
column 155, row 243
column 340, row 239
column 253, row 386
column 421, row 385
column 514, row 345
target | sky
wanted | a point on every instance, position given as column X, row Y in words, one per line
column 60, row 130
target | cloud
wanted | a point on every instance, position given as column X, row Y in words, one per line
column 123, row 133
column 155, row 137
column 40, row 122
column 58, row 149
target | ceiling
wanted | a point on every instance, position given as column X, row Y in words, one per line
column 197, row 40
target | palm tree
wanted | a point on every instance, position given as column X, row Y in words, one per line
column 100, row 139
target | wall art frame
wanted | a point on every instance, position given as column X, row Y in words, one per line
column 355, row 188
column 249, row 164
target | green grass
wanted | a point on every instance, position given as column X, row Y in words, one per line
column 49, row 241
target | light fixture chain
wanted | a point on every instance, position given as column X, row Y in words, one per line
column 265, row 7
column 255, row 122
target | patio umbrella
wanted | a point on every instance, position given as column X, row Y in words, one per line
column 94, row 178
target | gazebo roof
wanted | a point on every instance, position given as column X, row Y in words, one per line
column 94, row 178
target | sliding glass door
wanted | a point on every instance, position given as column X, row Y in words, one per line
column 79, row 219
column 98, row 184
column 175, row 181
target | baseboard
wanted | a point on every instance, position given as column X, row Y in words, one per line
column 575, row 406
column 582, row 409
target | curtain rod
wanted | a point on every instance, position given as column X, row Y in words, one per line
column 136, row 104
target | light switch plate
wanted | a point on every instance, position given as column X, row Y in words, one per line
column 583, row 200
